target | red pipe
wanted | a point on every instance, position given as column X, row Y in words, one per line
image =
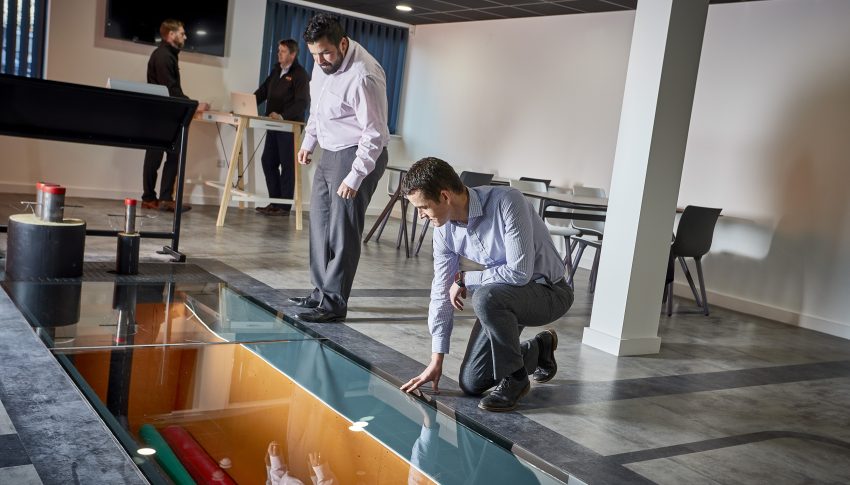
column 198, row 463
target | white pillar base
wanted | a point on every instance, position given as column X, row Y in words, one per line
column 620, row 346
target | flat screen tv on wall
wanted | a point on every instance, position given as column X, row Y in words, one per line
column 139, row 20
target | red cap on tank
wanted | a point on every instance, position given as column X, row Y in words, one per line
column 130, row 202
column 53, row 189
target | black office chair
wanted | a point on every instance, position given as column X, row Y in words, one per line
column 470, row 179
column 548, row 182
column 692, row 240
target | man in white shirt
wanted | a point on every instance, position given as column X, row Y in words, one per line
column 348, row 119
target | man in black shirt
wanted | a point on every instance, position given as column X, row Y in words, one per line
column 162, row 69
column 287, row 95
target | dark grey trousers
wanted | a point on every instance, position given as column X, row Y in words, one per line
column 336, row 227
column 494, row 349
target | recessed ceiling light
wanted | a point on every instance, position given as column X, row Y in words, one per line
column 146, row 451
column 404, row 8
column 200, row 32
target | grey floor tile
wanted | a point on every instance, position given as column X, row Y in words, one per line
column 601, row 419
column 786, row 461
column 6, row 426
column 19, row 475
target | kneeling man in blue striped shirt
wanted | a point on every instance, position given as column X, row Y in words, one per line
column 522, row 284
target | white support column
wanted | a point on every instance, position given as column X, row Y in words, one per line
column 657, row 102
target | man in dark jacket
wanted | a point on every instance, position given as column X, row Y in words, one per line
column 162, row 69
column 287, row 95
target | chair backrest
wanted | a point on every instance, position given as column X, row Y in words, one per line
column 554, row 208
column 392, row 181
column 531, row 186
column 695, row 231
column 530, row 179
column 594, row 226
column 475, row 179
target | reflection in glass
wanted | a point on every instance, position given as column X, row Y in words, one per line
column 201, row 384
column 100, row 314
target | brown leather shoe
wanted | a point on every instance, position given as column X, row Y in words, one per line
column 276, row 211
column 171, row 206
column 150, row 204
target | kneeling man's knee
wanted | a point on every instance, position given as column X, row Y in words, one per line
column 485, row 299
column 470, row 385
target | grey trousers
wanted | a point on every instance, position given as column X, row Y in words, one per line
column 494, row 350
column 336, row 227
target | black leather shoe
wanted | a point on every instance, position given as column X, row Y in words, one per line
column 304, row 302
column 320, row 315
column 546, row 365
column 506, row 395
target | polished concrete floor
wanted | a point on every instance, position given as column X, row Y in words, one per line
column 730, row 398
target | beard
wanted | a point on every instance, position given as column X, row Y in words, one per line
column 330, row 68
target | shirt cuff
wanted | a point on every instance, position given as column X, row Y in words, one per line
column 429, row 434
column 440, row 344
column 472, row 279
column 353, row 180
column 309, row 143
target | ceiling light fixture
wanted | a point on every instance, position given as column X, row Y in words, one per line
column 146, row 451
column 404, row 8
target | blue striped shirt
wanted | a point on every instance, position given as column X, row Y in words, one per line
column 506, row 236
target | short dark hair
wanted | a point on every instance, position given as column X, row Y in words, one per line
column 324, row 25
column 430, row 176
column 290, row 44
column 169, row 25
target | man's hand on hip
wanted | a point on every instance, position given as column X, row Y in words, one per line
column 345, row 191
column 304, row 156
column 457, row 295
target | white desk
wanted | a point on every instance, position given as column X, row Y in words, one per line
column 242, row 123
column 576, row 202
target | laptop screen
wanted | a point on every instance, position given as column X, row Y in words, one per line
column 243, row 104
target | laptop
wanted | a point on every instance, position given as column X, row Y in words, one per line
column 243, row 104
column 136, row 87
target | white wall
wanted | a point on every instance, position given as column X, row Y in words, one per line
column 536, row 97
column 768, row 142
column 77, row 52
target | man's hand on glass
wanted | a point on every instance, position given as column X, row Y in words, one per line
column 431, row 374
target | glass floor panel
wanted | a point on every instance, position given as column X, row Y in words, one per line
column 203, row 385
column 97, row 314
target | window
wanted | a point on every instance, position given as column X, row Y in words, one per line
column 22, row 36
column 387, row 43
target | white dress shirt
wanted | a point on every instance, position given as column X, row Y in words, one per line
column 349, row 108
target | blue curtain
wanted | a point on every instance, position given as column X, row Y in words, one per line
column 22, row 37
column 387, row 43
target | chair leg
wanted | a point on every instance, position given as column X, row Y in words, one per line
column 702, row 286
column 403, row 223
column 383, row 224
column 594, row 270
column 414, row 220
column 568, row 261
column 581, row 246
column 425, row 226
column 690, row 280
column 403, row 228
column 669, row 292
